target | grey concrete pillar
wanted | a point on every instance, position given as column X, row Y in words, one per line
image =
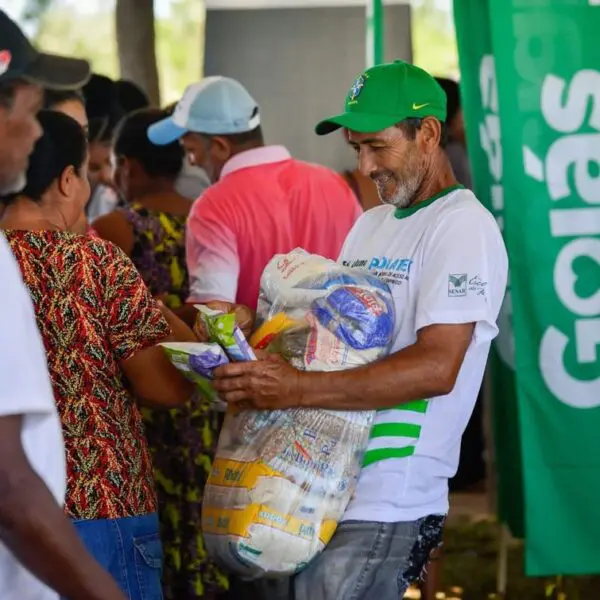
column 298, row 62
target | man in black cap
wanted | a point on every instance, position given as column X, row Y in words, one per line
column 41, row 556
column 24, row 72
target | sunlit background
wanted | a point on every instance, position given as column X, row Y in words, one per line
column 86, row 28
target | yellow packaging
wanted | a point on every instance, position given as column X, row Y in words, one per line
column 265, row 334
column 234, row 508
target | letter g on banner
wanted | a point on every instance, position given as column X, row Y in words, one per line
column 569, row 390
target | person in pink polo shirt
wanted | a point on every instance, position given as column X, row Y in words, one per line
column 263, row 201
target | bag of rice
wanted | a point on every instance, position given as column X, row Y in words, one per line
column 281, row 480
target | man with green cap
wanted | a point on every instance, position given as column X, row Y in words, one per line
column 443, row 257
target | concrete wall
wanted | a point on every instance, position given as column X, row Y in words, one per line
column 299, row 63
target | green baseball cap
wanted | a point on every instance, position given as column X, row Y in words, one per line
column 385, row 95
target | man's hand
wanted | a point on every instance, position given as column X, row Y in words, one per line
column 266, row 384
column 244, row 318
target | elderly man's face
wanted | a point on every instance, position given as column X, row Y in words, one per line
column 19, row 130
column 207, row 152
column 396, row 163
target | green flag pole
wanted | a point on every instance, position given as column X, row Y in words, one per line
column 374, row 39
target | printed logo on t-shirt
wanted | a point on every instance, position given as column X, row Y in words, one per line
column 391, row 270
column 457, row 285
column 460, row 284
column 477, row 286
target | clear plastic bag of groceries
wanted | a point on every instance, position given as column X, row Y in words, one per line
column 282, row 479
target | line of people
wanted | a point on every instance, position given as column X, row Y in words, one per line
column 112, row 277
column 98, row 224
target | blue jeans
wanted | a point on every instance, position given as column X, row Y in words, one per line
column 364, row 561
column 130, row 550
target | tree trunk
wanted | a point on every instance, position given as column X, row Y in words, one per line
column 136, row 44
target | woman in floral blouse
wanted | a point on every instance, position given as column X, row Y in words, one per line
column 100, row 327
column 151, row 230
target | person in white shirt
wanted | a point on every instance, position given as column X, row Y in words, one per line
column 41, row 555
column 443, row 256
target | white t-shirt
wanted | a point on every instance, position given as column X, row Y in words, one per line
column 446, row 263
column 25, row 389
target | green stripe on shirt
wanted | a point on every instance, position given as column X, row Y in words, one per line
column 395, row 430
column 373, row 456
column 419, row 406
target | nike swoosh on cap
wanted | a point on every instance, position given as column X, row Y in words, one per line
column 420, row 106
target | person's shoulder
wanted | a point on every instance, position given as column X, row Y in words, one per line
column 374, row 217
column 466, row 217
column 217, row 200
column 316, row 171
column 326, row 185
column 463, row 203
column 98, row 249
column 378, row 213
column 40, row 243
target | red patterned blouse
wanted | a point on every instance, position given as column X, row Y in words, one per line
column 93, row 310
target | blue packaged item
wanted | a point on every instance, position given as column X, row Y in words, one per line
column 206, row 362
column 361, row 318
column 198, row 362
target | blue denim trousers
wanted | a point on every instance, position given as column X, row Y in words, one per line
column 130, row 550
column 364, row 561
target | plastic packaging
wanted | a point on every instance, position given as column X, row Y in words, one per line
column 197, row 362
column 281, row 480
column 223, row 330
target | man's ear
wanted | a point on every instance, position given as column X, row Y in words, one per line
column 132, row 168
column 221, row 148
column 430, row 134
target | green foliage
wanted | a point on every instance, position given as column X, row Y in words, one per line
column 180, row 47
column 34, row 9
column 470, row 561
column 434, row 40
column 64, row 29
column 90, row 36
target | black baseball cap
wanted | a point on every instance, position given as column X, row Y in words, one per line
column 20, row 60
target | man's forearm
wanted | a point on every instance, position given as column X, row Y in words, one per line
column 35, row 529
column 408, row 375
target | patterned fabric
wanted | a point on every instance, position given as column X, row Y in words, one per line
column 93, row 311
column 182, row 441
column 159, row 252
column 426, row 548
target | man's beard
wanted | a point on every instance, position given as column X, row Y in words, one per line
column 403, row 193
column 15, row 186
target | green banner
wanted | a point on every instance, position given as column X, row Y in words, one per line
column 547, row 59
column 375, row 38
column 482, row 121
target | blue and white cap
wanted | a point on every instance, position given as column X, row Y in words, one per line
column 215, row 106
